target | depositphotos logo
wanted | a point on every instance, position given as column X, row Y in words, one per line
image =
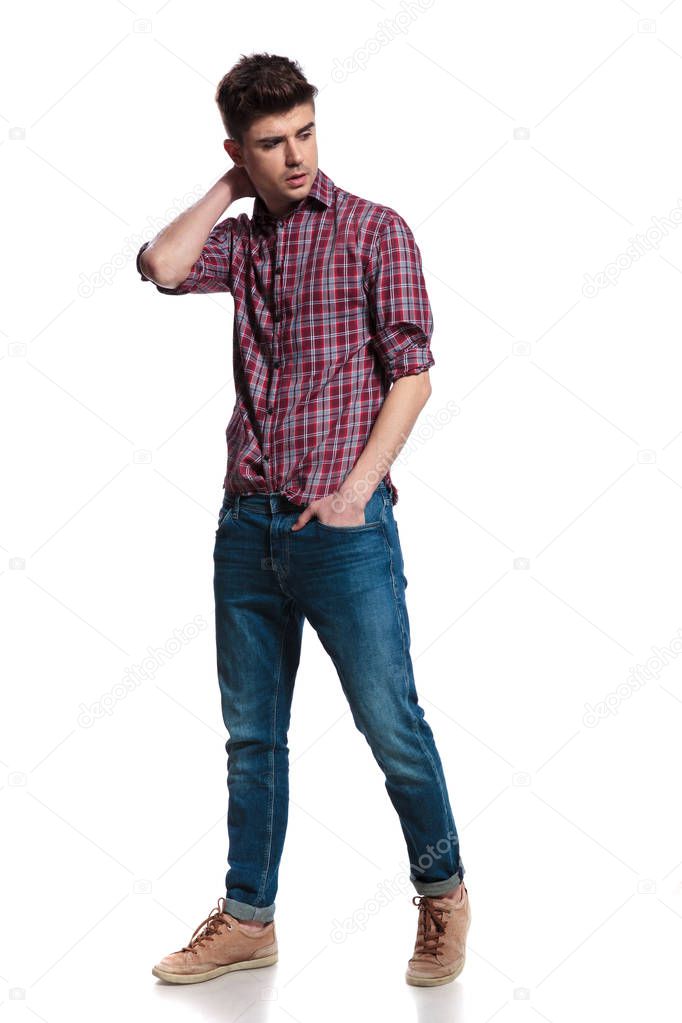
column 638, row 677
column 145, row 671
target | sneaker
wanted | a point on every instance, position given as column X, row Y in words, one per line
column 440, row 948
column 219, row 945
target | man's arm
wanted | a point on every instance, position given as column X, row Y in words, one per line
column 398, row 302
column 403, row 325
column 176, row 252
column 392, row 427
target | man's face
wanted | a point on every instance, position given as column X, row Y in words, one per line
column 276, row 147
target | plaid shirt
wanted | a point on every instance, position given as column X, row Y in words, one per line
column 330, row 307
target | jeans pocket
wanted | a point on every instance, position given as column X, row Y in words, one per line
column 225, row 513
column 373, row 513
column 348, row 529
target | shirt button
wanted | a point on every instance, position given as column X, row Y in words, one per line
column 278, row 270
column 271, row 409
column 276, row 365
column 266, row 457
column 278, row 317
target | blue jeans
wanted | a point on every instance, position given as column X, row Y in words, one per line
column 348, row 582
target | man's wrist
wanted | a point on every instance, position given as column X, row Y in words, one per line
column 356, row 491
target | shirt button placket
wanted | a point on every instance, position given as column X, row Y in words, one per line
column 277, row 317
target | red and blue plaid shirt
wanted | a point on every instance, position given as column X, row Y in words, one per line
column 330, row 308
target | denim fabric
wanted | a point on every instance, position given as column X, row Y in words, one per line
column 349, row 583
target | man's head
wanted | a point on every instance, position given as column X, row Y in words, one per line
column 268, row 110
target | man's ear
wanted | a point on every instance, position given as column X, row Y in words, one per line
column 233, row 150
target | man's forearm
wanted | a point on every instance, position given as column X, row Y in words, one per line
column 393, row 425
column 171, row 255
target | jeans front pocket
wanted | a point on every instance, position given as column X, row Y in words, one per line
column 225, row 513
column 374, row 513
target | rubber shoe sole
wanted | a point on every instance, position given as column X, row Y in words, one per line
column 413, row 978
column 196, row 978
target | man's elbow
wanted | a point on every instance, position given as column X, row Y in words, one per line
column 419, row 383
column 153, row 268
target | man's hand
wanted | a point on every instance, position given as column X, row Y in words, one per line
column 240, row 182
column 334, row 510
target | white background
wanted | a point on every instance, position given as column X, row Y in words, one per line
column 526, row 144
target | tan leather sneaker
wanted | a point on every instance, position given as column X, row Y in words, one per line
column 219, row 945
column 440, row 948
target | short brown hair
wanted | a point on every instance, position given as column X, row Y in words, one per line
column 260, row 84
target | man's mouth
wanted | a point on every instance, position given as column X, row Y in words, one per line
column 297, row 178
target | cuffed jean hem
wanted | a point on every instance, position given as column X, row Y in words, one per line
column 438, row 887
column 243, row 911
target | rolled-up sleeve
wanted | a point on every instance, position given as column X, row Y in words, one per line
column 399, row 303
column 212, row 270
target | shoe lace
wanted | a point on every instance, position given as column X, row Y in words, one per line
column 430, row 925
column 212, row 925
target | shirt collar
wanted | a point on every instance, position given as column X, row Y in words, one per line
column 321, row 193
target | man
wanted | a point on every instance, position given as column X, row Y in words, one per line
column 332, row 325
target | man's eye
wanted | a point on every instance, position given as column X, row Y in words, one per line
column 271, row 145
